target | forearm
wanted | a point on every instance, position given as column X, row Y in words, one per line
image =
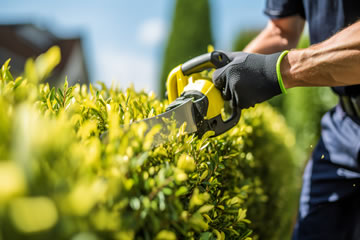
column 278, row 35
column 334, row 62
column 266, row 43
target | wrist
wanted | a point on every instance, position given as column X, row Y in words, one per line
column 278, row 70
column 286, row 70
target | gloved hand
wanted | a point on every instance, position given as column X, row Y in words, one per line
column 249, row 78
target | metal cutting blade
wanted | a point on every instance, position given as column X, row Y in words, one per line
column 184, row 113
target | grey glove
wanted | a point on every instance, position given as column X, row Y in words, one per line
column 248, row 79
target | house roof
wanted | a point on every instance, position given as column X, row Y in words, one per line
column 29, row 41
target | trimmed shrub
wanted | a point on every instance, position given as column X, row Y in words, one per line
column 60, row 180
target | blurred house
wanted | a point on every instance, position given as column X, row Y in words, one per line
column 22, row 41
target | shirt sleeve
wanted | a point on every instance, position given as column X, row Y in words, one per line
column 284, row 8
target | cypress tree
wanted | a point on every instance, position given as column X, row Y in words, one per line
column 189, row 36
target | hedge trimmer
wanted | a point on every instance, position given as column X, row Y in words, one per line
column 195, row 100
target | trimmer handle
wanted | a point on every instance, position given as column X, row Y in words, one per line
column 210, row 97
column 223, row 126
column 215, row 59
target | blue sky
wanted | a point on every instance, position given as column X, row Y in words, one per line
column 124, row 40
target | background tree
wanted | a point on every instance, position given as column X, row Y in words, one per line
column 189, row 36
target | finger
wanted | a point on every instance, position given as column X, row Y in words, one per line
column 219, row 78
column 226, row 92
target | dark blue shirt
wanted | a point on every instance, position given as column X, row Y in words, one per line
column 325, row 18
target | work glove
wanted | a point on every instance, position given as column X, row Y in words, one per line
column 250, row 78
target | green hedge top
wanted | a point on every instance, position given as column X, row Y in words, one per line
column 59, row 180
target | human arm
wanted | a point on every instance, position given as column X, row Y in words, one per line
column 333, row 62
column 278, row 35
column 254, row 78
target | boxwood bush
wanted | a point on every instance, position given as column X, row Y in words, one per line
column 60, row 180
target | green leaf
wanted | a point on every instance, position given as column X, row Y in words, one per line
column 186, row 163
column 60, row 93
column 165, row 235
column 58, row 100
column 198, row 222
column 66, row 84
column 52, row 94
column 206, row 236
column 204, row 175
column 204, row 138
column 7, row 76
column 181, row 191
column 135, row 204
column 241, row 214
column 167, row 191
column 205, row 208
column 218, row 234
column 18, row 82
column 5, row 66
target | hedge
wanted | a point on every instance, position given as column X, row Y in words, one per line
column 60, row 180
